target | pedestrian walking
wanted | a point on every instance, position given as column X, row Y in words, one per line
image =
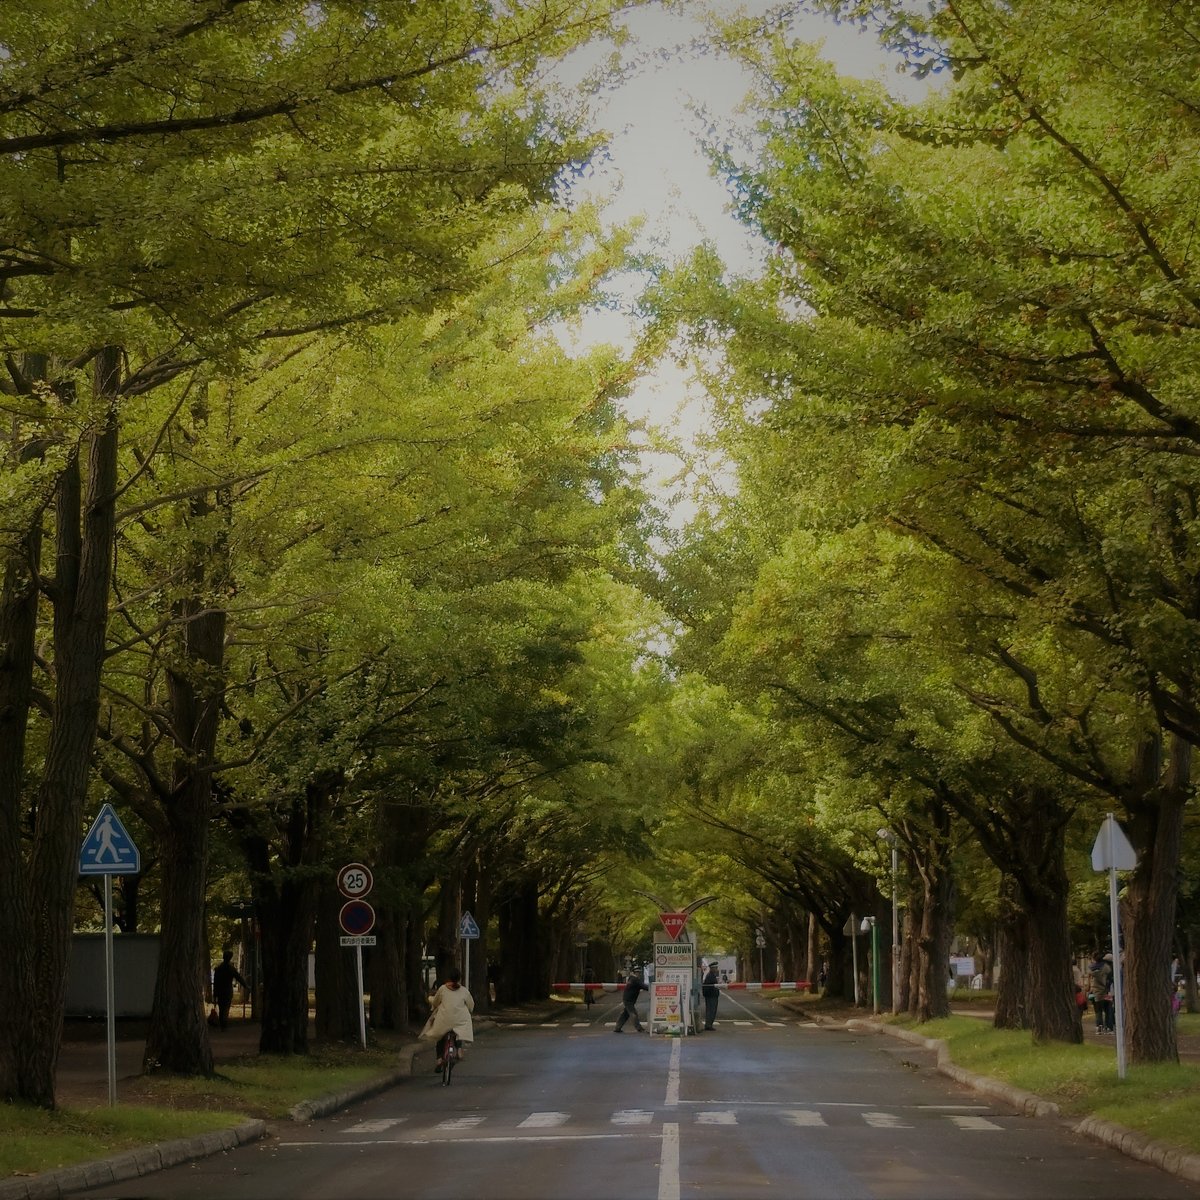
column 1100, row 982
column 589, row 990
column 711, row 992
column 629, row 998
column 224, row 975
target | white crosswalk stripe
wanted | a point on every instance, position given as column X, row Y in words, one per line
column 883, row 1120
column 460, row 1123
column 716, row 1118
column 803, row 1117
column 543, row 1120
column 375, row 1126
column 632, row 1116
column 974, row 1124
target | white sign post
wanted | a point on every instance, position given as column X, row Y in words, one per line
column 1112, row 852
column 357, row 919
column 108, row 850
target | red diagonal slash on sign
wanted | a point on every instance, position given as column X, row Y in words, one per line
column 673, row 923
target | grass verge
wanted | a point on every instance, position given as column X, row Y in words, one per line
column 1161, row 1100
column 158, row 1108
column 33, row 1140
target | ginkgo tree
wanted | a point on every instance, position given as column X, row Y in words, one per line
column 189, row 182
column 978, row 330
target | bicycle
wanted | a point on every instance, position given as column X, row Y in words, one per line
column 450, row 1055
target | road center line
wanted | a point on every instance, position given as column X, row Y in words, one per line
column 668, row 1169
column 673, row 1075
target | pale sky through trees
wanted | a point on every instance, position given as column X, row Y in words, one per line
column 656, row 169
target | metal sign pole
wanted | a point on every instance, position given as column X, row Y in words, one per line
column 110, row 989
column 854, row 953
column 1115, row 917
column 362, row 999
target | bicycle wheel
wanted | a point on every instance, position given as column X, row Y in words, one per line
column 449, row 1055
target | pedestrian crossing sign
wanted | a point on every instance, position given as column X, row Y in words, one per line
column 108, row 849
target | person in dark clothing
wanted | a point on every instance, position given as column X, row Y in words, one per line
column 1100, row 980
column 224, row 974
column 629, row 999
column 710, row 992
column 589, row 989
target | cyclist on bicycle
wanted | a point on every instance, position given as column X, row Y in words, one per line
column 451, row 1010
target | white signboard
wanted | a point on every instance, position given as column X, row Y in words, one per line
column 672, row 954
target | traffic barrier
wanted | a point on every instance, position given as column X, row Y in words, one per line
column 798, row 985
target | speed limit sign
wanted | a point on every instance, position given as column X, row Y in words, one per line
column 355, row 880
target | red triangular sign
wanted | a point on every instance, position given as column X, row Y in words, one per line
column 673, row 923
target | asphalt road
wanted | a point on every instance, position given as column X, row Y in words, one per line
column 763, row 1106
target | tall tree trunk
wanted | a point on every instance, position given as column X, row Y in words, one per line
column 178, row 1038
column 1151, row 896
column 337, row 1005
column 813, row 954
column 85, row 527
column 1012, row 949
column 933, row 944
column 1036, row 988
column 938, row 893
column 18, row 625
column 287, row 881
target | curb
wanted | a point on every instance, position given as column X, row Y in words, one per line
column 131, row 1164
column 1174, row 1161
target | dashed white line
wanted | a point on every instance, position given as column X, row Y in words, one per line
column 672, row 1100
column 668, row 1166
column 720, row 1117
column 632, row 1116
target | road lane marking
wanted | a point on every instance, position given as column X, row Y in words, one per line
column 804, row 1117
column 720, row 1117
column 668, row 1166
column 974, row 1124
column 543, row 1120
column 673, row 1075
column 632, row 1116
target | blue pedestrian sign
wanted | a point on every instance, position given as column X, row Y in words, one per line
column 108, row 849
column 468, row 927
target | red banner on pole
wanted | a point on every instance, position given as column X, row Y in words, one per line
column 673, row 923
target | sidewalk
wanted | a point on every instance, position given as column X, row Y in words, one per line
column 83, row 1057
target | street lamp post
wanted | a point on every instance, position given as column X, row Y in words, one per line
column 888, row 836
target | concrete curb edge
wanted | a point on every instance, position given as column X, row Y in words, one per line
column 1172, row 1159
